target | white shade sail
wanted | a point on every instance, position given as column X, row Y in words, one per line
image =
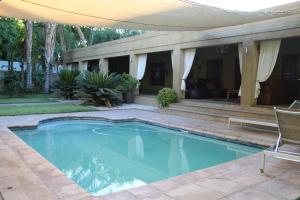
column 267, row 59
column 134, row 14
column 189, row 55
column 142, row 60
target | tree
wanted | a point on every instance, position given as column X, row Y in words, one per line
column 50, row 33
column 29, row 53
column 83, row 41
column 61, row 33
column 11, row 40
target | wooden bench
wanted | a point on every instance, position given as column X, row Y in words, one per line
column 251, row 121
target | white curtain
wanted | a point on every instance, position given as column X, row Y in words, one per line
column 267, row 59
column 189, row 55
column 85, row 65
column 240, row 49
column 172, row 59
column 142, row 60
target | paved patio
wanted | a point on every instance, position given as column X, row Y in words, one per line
column 24, row 174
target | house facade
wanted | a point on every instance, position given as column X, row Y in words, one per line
column 249, row 64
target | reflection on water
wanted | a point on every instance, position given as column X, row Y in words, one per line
column 104, row 157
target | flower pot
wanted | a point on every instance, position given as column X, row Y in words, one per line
column 129, row 97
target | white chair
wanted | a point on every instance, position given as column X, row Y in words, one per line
column 287, row 146
column 295, row 105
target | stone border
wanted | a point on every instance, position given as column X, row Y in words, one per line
column 36, row 178
column 76, row 189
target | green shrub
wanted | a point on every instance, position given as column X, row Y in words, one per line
column 38, row 81
column 66, row 83
column 101, row 89
column 129, row 83
column 12, row 83
column 166, row 96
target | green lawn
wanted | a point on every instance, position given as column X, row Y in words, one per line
column 29, row 98
column 42, row 109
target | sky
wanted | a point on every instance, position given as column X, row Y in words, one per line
column 244, row 5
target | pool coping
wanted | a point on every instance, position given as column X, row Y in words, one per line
column 18, row 143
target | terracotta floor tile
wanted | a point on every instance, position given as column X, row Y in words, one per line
column 279, row 188
column 251, row 194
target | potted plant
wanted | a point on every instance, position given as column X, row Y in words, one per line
column 129, row 85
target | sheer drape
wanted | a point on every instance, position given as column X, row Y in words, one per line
column 240, row 49
column 172, row 59
column 142, row 60
column 85, row 65
column 267, row 59
column 189, row 55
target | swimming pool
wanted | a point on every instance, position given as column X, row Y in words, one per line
column 104, row 157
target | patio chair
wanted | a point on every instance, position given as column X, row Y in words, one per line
column 287, row 146
column 295, row 105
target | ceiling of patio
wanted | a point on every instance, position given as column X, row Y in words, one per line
column 169, row 15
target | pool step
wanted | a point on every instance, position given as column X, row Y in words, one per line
column 217, row 111
column 148, row 100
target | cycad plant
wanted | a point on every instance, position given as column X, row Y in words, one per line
column 101, row 89
column 129, row 85
column 66, row 83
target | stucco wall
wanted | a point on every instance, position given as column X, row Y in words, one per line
column 248, row 35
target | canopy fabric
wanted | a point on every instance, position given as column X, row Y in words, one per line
column 141, row 67
column 170, row 15
column 267, row 59
column 189, row 55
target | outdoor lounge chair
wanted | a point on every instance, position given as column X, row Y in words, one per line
column 295, row 105
column 288, row 143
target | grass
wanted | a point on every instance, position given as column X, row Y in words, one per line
column 28, row 98
column 42, row 109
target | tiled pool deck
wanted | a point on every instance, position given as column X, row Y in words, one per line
column 24, row 174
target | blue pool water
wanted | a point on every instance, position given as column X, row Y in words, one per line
column 104, row 157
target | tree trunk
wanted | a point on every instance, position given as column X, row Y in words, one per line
column 10, row 67
column 63, row 45
column 28, row 54
column 50, row 30
column 83, row 41
column 22, row 71
column 61, row 33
